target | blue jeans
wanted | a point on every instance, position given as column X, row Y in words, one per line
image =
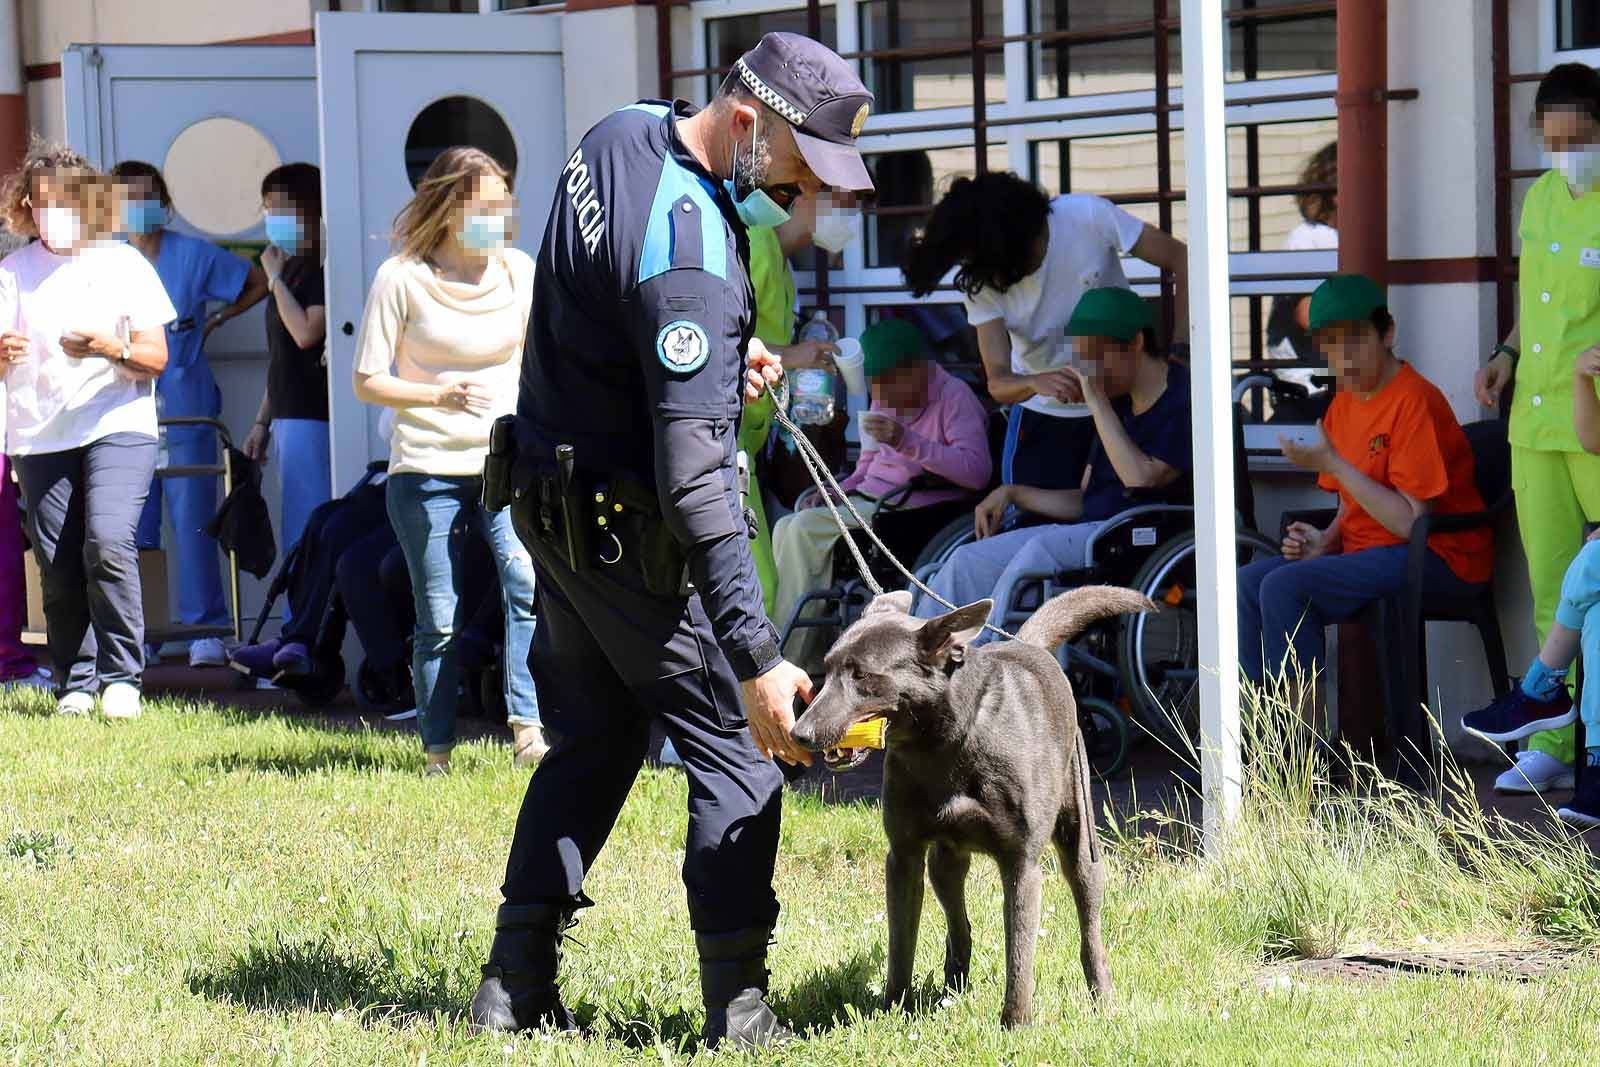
column 1286, row 603
column 423, row 509
column 305, row 469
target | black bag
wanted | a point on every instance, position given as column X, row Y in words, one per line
column 242, row 525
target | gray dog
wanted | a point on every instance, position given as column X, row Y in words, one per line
column 983, row 756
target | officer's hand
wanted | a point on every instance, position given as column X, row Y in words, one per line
column 769, row 706
column 762, row 368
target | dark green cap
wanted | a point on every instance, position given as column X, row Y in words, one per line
column 1346, row 298
column 1112, row 312
column 889, row 343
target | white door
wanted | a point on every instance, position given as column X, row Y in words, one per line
column 395, row 91
column 215, row 119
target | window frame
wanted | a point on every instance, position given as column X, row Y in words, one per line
column 1550, row 52
column 852, row 288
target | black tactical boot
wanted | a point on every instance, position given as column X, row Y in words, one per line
column 518, row 991
column 733, row 983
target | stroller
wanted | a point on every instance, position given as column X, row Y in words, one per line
column 376, row 687
column 383, row 680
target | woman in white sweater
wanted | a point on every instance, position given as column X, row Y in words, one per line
column 441, row 342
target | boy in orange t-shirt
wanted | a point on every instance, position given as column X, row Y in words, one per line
column 1392, row 449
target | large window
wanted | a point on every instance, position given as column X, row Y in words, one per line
column 908, row 184
column 1577, row 25
column 729, row 38
column 1071, row 91
column 903, row 83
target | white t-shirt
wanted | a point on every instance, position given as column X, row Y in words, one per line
column 1088, row 237
column 53, row 401
column 1311, row 236
column 424, row 329
column 1308, row 236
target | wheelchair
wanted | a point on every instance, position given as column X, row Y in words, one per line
column 1147, row 664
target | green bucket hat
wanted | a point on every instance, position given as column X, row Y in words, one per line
column 1111, row 312
column 888, row 344
column 1346, row 298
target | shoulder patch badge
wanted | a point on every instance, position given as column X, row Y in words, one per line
column 682, row 346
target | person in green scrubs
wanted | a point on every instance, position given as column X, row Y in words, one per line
column 773, row 281
column 1557, row 483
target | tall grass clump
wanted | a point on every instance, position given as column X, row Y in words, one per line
column 1329, row 852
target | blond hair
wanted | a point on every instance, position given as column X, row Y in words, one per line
column 91, row 192
column 424, row 223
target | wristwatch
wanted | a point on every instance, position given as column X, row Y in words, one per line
column 126, row 353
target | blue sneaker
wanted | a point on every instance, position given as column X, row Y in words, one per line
column 255, row 660
column 1517, row 715
column 292, row 660
column 1583, row 810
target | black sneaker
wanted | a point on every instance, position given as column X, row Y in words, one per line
column 1583, row 810
column 1517, row 715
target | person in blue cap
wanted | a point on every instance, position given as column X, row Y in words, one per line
column 197, row 275
column 625, row 489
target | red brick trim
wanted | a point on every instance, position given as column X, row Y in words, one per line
column 1459, row 271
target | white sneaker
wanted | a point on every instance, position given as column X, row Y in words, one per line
column 39, row 679
column 120, row 700
column 1535, row 772
column 208, row 652
column 75, row 703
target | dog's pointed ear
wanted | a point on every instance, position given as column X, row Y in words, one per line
column 896, row 603
column 946, row 636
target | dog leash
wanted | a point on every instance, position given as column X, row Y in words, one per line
column 868, row 735
column 828, row 487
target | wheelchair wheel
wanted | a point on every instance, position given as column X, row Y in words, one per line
column 322, row 688
column 1106, row 736
column 376, row 691
column 1158, row 655
column 955, row 534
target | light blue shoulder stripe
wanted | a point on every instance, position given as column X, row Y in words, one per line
column 658, row 110
column 656, row 256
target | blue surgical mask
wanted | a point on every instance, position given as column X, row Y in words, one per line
column 143, row 216
column 482, row 233
column 755, row 207
column 286, row 232
column 1581, row 166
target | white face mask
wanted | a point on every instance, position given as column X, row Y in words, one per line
column 60, row 228
column 1581, row 166
column 835, row 227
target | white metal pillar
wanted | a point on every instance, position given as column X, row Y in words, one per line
column 1210, row 335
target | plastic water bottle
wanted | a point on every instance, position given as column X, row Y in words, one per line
column 811, row 390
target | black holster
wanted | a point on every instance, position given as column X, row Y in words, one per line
column 500, row 464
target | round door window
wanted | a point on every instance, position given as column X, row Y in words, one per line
column 457, row 120
column 214, row 170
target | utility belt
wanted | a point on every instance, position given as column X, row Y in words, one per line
column 591, row 522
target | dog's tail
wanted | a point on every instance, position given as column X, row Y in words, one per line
column 1064, row 617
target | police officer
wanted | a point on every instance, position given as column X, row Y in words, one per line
column 628, row 498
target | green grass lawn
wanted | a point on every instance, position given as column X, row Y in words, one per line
column 202, row 887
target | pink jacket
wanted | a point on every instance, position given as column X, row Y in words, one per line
column 949, row 438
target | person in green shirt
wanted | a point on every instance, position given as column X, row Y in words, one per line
column 774, row 286
column 1557, row 483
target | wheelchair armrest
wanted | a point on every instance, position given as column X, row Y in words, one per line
column 1124, row 518
column 921, row 483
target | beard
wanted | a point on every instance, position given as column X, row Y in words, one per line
column 750, row 172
